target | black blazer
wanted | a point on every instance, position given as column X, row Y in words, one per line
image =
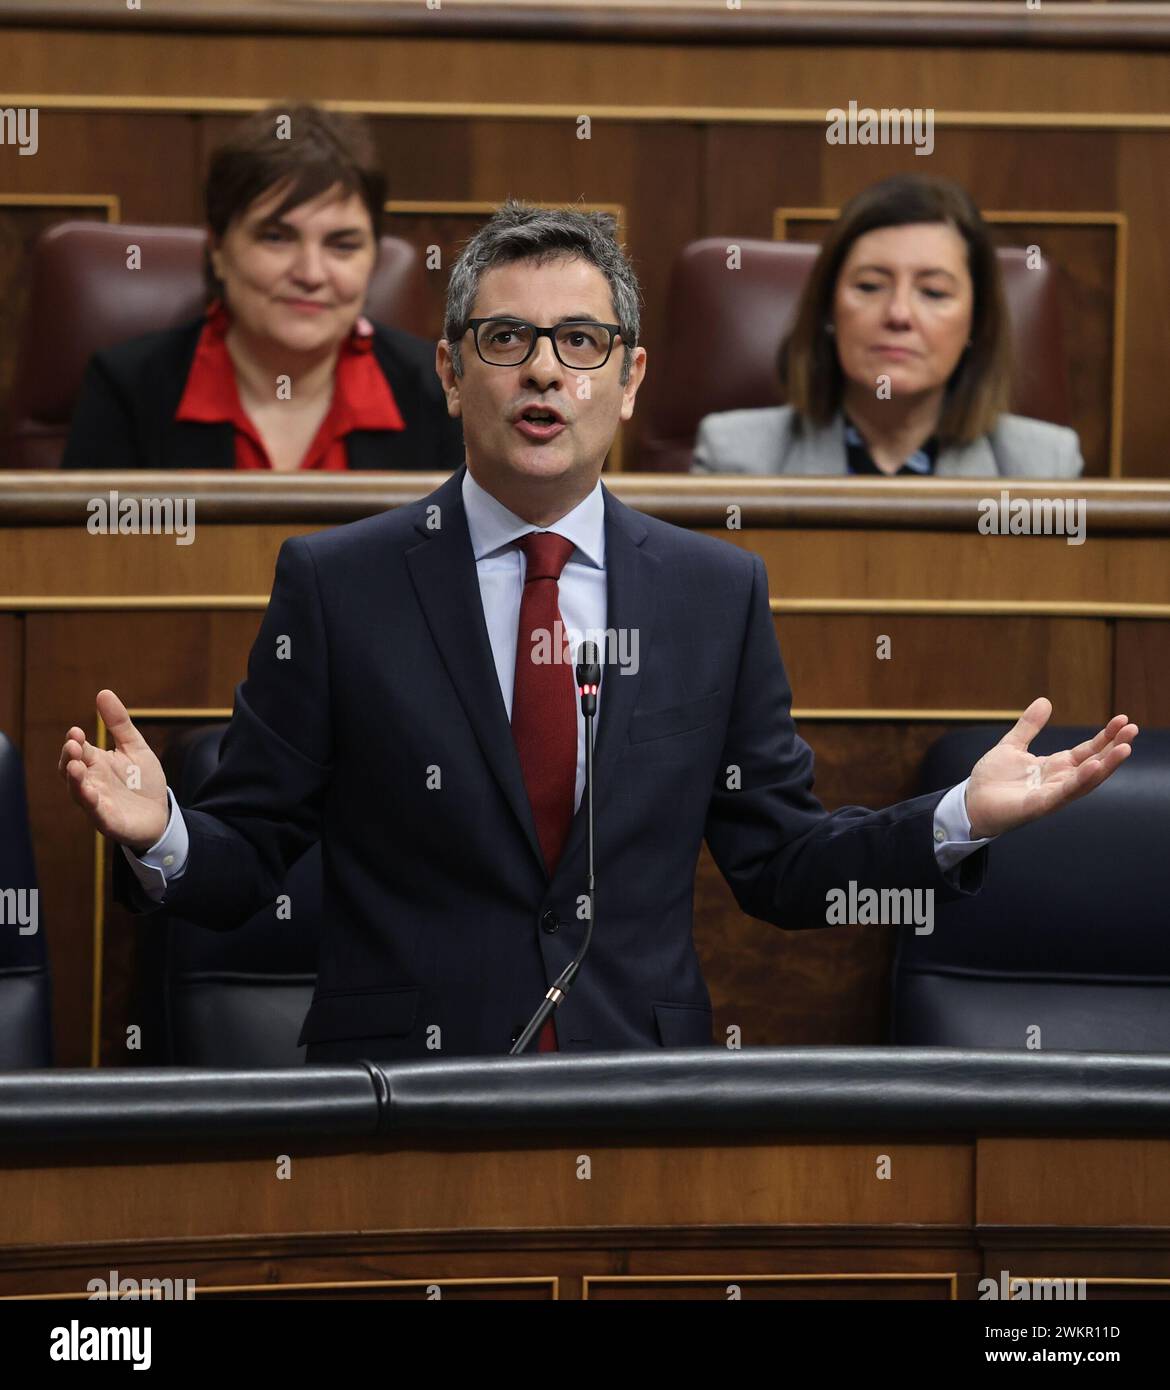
column 125, row 413
column 437, row 904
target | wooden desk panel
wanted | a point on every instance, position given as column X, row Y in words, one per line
column 1081, row 1182
column 673, row 1216
column 503, row 1182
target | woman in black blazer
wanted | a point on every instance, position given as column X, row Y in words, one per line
column 282, row 371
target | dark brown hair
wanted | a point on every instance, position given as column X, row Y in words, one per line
column 980, row 386
column 323, row 148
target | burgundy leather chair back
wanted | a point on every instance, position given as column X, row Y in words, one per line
column 724, row 328
column 82, row 298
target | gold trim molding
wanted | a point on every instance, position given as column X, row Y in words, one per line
column 556, row 111
column 950, row 1277
column 825, row 607
column 870, row 715
column 110, row 201
column 968, row 608
column 551, row 1281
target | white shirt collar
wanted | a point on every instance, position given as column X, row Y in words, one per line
column 492, row 526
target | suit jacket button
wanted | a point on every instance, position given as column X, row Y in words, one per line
column 550, row 922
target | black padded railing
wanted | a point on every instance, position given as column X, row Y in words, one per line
column 781, row 1090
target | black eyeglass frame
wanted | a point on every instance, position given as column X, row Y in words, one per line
column 615, row 329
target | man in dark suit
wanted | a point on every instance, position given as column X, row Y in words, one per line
column 407, row 702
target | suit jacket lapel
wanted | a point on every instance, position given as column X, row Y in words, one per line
column 370, row 449
column 975, row 460
column 410, row 448
column 442, row 570
column 819, row 450
column 200, row 444
column 631, row 585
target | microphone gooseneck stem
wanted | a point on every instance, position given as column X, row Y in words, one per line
column 588, row 679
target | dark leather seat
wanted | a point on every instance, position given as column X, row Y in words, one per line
column 238, row 998
column 82, row 298
column 26, row 1032
column 1070, row 934
column 724, row 328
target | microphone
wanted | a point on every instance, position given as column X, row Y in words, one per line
column 588, row 671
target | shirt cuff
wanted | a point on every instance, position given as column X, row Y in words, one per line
column 166, row 858
column 952, row 829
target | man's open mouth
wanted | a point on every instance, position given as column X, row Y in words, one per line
column 539, row 424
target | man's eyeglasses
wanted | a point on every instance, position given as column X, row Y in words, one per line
column 582, row 345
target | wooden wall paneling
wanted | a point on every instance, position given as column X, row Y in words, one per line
column 748, row 170
column 12, row 677
column 401, row 1264
column 1089, row 258
column 69, row 563
column 444, row 71
column 780, row 988
column 778, row 1287
column 1143, row 178
column 1042, row 164
column 1142, row 674
column 447, row 230
column 517, row 1182
column 1073, row 1182
column 956, row 665
column 957, row 570
column 145, row 158
column 1113, row 1265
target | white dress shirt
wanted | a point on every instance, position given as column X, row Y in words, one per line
column 583, row 604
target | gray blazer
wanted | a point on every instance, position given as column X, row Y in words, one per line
column 766, row 441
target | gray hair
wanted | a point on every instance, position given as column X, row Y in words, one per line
column 518, row 231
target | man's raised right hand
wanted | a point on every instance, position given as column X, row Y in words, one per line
column 123, row 791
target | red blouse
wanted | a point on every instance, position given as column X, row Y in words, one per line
column 362, row 398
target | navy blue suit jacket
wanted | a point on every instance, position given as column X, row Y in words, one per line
column 438, row 907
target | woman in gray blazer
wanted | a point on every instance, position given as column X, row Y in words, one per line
column 898, row 361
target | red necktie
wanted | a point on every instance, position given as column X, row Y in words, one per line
column 544, row 712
